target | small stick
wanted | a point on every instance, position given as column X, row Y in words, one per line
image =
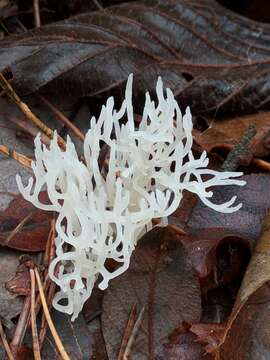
column 127, row 332
column 28, row 113
column 133, row 334
column 55, row 335
column 36, row 348
column 22, row 159
column 262, row 164
column 29, row 128
column 173, row 227
column 176, row 229
column 17, row 229
column 22, row 323
column 5, row 342
column 63, row 119
column 50, row 248
column 36, row 12
column 98, row 5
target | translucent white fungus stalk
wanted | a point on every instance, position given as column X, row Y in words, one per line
column 102, row 212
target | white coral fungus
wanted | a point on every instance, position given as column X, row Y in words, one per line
column 103, row 212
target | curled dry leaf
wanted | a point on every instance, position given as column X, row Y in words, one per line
column 202, row 247
column 160, row 278
column 20, row 284
column 253, row 325
column 257, row 274
column 226, row 69
column 249, row 314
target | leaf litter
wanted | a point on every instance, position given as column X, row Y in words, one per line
column 172, row 277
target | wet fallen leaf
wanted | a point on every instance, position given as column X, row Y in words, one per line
column 257, row 274
column 91, row 311
column 75, row 337
column 226, row 69
column 159, row 278
column 184, row 345
column 10, row 304
column 245, row 223
column 244, row 317
column 253, row 325
column 222, row 133
column 202, row 247
column 33, row 234
column 209, row 334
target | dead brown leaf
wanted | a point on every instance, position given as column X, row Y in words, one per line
column 257, row 274
column 160, row 278
column 222, row 133
column 32, row 236
column 245, row 223
column 184, row 345
column 20, row 284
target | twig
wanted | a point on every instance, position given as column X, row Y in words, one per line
column 17, row 229
column 5, row 342
column 98, row 5
column 262, row 164
column 127, row 332
column 50, row 248
column 29, row 128
column 28, row 113
column 133, row 334
column 63, row 119
column 176, row 229
column 36, row 348
column 22, row 323
column 36, row 12
column 55, row 335
column 22, row 159
column 173, row 227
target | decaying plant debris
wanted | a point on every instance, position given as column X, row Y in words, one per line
column 192, row 286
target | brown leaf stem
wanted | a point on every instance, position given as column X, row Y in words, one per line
column 22, row 324
column 127, row 332
column 63, row 119
column 133, row 334
column 27, row 112
column 17, row 229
